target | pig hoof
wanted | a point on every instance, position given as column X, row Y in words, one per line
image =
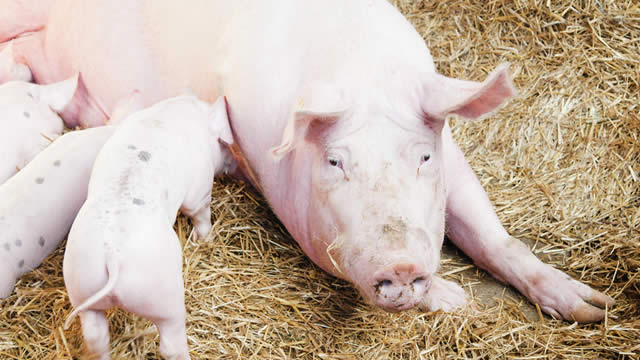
column 7, row 284
column 565, row 298
column 199, row 234
column 444, row 295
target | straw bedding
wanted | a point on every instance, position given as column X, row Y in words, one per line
column 561, row 164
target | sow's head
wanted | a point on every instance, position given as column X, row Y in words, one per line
column 377, row 195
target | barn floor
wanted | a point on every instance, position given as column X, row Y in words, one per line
column 561, row 164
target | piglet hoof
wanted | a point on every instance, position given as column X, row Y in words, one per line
column 7, row 283
column 443, row 295
column 565, row 298
column 200, row 233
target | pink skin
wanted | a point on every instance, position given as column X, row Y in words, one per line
column 9, row 69
column 29, row 119
column 122, row 250
column 22, row 16
column 366, row 101
column 29, row 230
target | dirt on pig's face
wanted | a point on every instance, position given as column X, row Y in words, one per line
column 378, row 207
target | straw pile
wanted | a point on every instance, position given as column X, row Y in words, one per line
column 561, row 164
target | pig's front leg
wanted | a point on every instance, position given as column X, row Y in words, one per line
column 201, row 216
column 474, row 227
column 443, row 295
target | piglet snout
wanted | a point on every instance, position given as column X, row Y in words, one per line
column 400, row 286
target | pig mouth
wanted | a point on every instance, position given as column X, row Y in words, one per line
column 397, row 305
column 392, row 282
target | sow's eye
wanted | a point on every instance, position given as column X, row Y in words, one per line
column 335, row 162
column 424, row 159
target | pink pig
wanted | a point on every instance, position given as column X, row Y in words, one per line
column 122, row 250
column 339, row 118
column 38, row 205
column 29, row 119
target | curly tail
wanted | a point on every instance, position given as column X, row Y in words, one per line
column 113, row 270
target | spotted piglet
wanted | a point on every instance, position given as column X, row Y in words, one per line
column 38, row 205
column 122, row 250
column 29, row 120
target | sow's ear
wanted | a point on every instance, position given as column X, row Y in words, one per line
column 302, row 125
column 319, row 110
column 468, row 99
column 57, row 95
column 9, row 69
column 219, row 121
column 126, row 106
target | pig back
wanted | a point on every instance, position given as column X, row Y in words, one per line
column 39, row 203
column 264, row 56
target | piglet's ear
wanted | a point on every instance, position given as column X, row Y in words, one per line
column 468, row 99
column 219, row 121
column 58, row 95
column 9, row 69
column 126, row 106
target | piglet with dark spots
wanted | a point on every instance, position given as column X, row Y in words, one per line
column 29, row 120
column 38, row 204
column 160, row 160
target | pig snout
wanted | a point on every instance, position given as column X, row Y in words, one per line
column 400, row 286
column 393, row 265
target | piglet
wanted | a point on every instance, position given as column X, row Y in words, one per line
column 29, row 120
column 122, row 250
column 38, row 205
column 9, row 69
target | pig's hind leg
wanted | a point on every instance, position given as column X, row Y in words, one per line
column 474, row 227
column 173, row 338
column 7, row 281
column 95, row 330
column 153, row 288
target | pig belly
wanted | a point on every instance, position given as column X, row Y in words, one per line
column 38, row 205
column 122, row 63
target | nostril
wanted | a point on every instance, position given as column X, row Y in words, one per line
column 381, row 284
column 421, row 283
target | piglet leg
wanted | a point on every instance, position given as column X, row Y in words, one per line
column 7, row 282
column 201, row 216
column 173, row 338
column 167, row 310
column 95, row 329
column 475, row 228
